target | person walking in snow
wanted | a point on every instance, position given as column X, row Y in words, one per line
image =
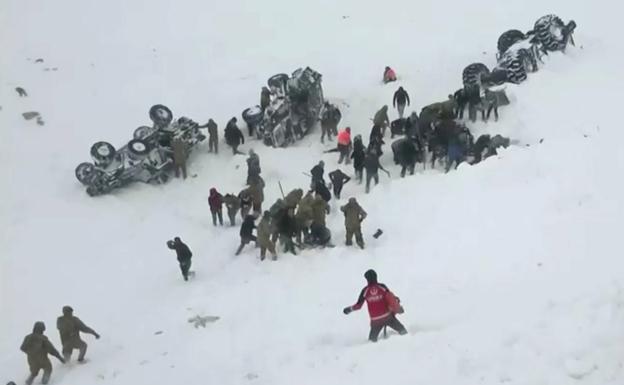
column 215, row 201
column 400, row 100
column 389, row 75
column 70, row 327
column 354, row 216
column 338, row 180
column 233, row 136
column 317, row 175
column 344, row 145
column 382, row 120
column 256, row 190
column 358, row 156
column 264, row 237
column 253, row 167
column 213, row 136
column 37, row 347
column 246, row 202
column 246, row 232
column 383, row 306
column 372, row 166
column 232, row 204
column 184, row 255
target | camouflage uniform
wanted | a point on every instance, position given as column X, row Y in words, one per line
column 213, row 137
column 256, row 190
column 180, row 153
column 37, row 347
column 319, row 210
column 293, row 198
column 264, row 237
column 232, row 203
column 69, row 328
column 354, row 215
column 381, row 119
column 304, row 215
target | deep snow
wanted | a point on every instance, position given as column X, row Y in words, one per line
column 510, row 271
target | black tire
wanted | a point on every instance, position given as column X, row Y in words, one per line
column 278, row 81
column 138, row 147
column 85, row 172
column 509, row 38
column 103, row 152
column 252, row 115
column 142, row 132
column 161, row 115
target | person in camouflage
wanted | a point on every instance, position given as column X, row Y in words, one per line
column 303, row 216
column 256, row 191
column 246, row 202
column 213, row 136
column 354, row 215
column 180, row 153
column 37, row 347
column 232, row 203
column 320, row 209
column 293, row 198
column 246, row 232
column 264, row 237
column 382, row 120
column 253, row 167
column 69, row 328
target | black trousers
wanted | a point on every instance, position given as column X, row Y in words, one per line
column 185, row 266
column 391, row 322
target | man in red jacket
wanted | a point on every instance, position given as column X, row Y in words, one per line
column 215, row 200
column 382, row 306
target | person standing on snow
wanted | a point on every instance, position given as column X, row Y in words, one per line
column 37, row 347
column 344, row 145
column 358, row 155
column 213, row 136
column 382, row 120
column 215, row 200
column 354, row 215
column 246, row 232
column 383, row 306
column 180, row 154
column 400, row 99
column 338, row 179
column 232, row 203
column 372, row 166
column 246, row 202
column 264, row 237
column 389, row 75
column 317, row 175
column 233, row 136
column 184, row 255
column 69, row 328
column 253, row 167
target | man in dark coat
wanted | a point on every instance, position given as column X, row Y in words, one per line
column 180, row 154
column 37, row 347
column 358, row 155
column 232, row 203
column 233, row 136
column 372, row 166
column 317, row 174
column 253, row 167
column 215, row 201
column 246, row 232
column 338, row 179
column 265, row 98
column 400, row 100
column 184, row 255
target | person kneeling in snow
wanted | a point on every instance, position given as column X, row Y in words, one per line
column 383, row 306
column 389, row 75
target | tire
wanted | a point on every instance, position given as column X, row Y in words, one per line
column 161, row 115
column 142, row 132
column 278, row 81
column 138, row 147
column 85, row 172
column 509, row 38
column 252, row 115
column 103, row 152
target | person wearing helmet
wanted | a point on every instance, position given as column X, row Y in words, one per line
column 37, row 347
column 383, row 306
column 69, row 328
column 354, row 215
column 184, row 255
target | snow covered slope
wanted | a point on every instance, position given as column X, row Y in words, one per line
column 510, row 271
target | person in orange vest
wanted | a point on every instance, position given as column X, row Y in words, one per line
column 389, row 75
column 344, row 146
column 382, row 304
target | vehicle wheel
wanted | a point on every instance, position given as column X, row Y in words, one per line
column 85, row 172
column 103, row 152
column 138, row 147
column 161, row 115
column 278, row 81
column 142, row 132
column 252, row 115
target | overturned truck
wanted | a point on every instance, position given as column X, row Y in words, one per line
column 294, row 109
column 147, row 158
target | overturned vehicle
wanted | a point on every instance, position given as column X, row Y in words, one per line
column 147, row 158
column 294, row 109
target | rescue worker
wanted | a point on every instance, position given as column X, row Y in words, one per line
column 372, row 166
column 256, row 190
column 246, row 202
column 304, row 216
column 354, row 215
column 381, row 119
column 344, row 145
column 246, row 232
column 317, row 174
column 215, row 201
column 70, row 327
column 213, row 137
column 264, row 237
column 37, row 347
column 320, row 209
column 184, row 255
column 319, row 236
column 338, row 179
column 180, row 154
column 253, row 167
column 358, row 156
column 265, row 98
column 383, row 306
column 400, row 99
column 293, row 198
column 232, row 204
column 389, row 75
column 233, row 136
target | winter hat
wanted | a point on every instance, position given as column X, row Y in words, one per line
column 348, row 129
column 213, row 191
column 322, row 164
column 67, row 309
column 371, row 276
column 38, row 327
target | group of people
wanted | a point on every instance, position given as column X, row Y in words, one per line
column 38, row 347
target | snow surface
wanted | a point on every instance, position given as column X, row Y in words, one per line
column 510, row 271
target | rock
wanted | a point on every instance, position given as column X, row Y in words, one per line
column 31, row 115
column 40, row 60
column 198, row 320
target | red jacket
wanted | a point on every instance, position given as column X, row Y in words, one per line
column 382, row 304
column 389, row 75
column 215, row 200
column 344, row 137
